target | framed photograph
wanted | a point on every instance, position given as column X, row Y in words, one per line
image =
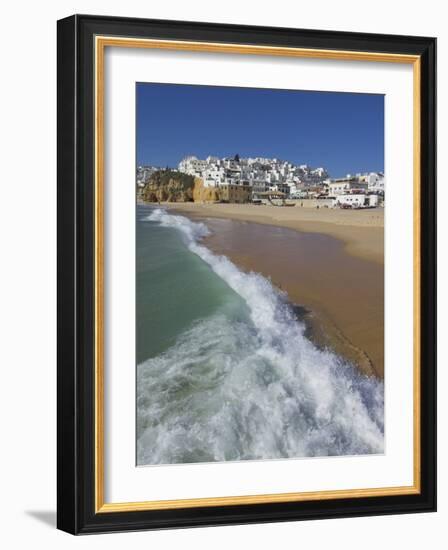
column 246, row 274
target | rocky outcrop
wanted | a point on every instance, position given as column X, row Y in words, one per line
column 169, row 186
column 205, row 194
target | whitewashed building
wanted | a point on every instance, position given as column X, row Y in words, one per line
column 375, row 181
column 359, row 200
column 346, row 185
column 260, row 173
column 192, row 165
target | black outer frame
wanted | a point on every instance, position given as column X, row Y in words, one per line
column 75, row 385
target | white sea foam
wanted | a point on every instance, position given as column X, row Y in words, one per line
column 251, row 388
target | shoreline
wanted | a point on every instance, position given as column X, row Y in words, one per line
column 336, row 285
column 366, row 241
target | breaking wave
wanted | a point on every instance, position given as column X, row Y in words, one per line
column 252, row 386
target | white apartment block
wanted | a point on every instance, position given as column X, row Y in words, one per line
column 375, row 181
column 345, row 186
column 193, row 166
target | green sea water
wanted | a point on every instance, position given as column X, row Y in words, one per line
column 174, row 288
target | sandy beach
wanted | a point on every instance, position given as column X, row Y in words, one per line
column 362, row 231
column 330, row 263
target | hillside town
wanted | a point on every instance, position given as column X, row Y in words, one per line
column 260, row 180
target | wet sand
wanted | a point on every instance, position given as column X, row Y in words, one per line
column 362, row 231
column 338, row 292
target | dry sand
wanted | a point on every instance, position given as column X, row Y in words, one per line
column 330, row 262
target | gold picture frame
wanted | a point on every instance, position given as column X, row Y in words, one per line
column 98, row 36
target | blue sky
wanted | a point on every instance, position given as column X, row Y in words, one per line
column 343, row 132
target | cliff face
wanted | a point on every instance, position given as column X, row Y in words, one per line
column 205, row 194
column 224, row 193
column 169, row 186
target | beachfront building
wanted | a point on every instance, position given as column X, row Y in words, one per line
column 359, row 200
column 235, row 193
column 275, row 198
column 259, row 186
column 342, row 186
column 360, row 191
column 296, row 189
column 282, row 188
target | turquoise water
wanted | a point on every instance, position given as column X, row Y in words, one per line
column 174, row 288
column 225, row 370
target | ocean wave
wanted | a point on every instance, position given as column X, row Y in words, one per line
column 235, row 388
